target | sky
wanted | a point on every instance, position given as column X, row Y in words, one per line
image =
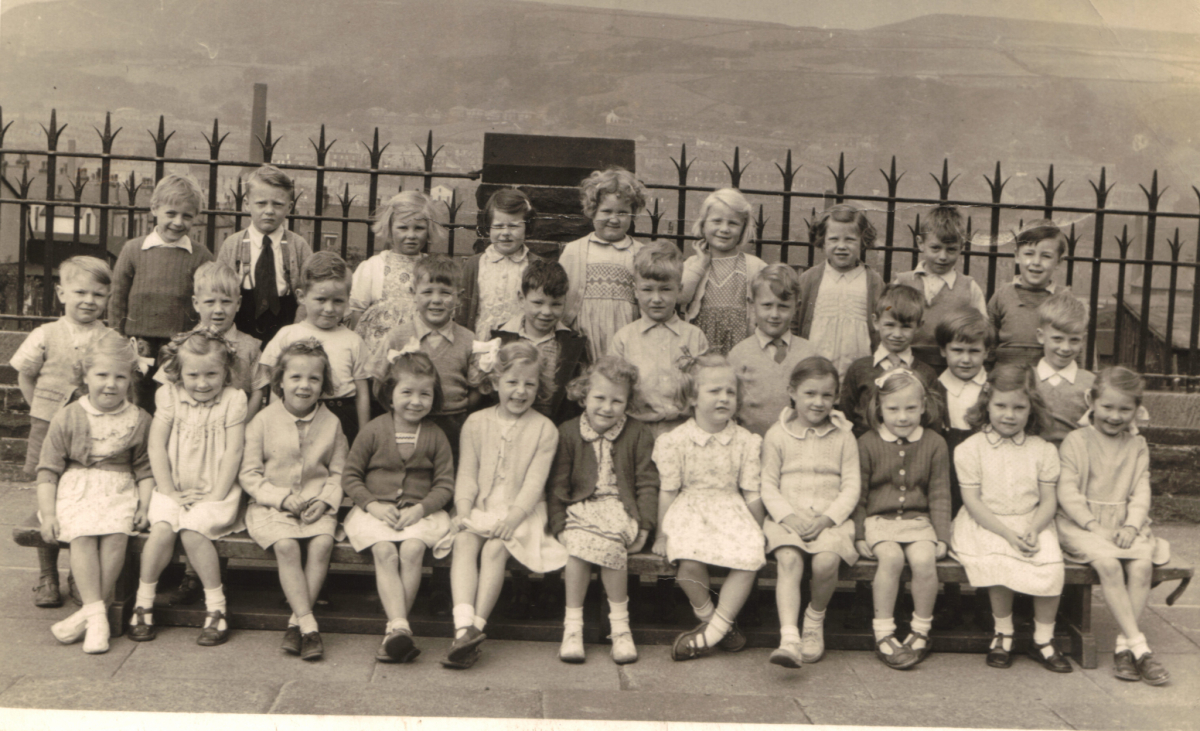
column 1171, row 15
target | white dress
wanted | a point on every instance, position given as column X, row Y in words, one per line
column 839, row 327
column 1008, row 473
column 716, row 476
column 92, row 501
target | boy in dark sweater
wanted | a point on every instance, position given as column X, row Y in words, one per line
column 1013, row 309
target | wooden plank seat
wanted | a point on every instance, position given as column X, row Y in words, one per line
column 261, row 606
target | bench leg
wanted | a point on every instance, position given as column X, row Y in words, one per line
column 1077, row 601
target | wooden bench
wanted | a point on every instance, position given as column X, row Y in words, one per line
column 261, row 607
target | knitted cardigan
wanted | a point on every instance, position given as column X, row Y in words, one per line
column 905, row 480
column 810, row 289
column 152, row 289
column 468, row 301
column 69, row 441
column 375, row 470
column 277, row 463
column 575, row 472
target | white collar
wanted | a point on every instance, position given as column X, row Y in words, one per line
column 1021, row 285
column 493, row 255
column 154, row 240
column 1045, row 371
column 886, row 435
column 517, row 325
column 187, row 397
column 837, row 420
column 311, row 415
column 849, row 276
column 645, row 324
column 949, row 277
column 423, row 329
column 256, row 236
column 702, row 438
column 621, row 245
column 993, row 437
column 955, row 385
column 882, row 354
column 87, row 405
column 764, row 340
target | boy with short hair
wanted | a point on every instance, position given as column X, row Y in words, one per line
column 435, row 288
column 1040, row 248
column 563, row 352
column 269, row 282
column 965, row 343
column 764, row 361
column 656, row 340
column 325, row 294
column 1062, row 321
column 45, row 366
column 897, row 316
column 948, row 293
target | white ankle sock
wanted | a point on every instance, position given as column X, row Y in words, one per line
column 789, row 633
column 479, row 622
column 1122, row 645
column 704, row 613
column 145, row 594
column 1004, row 626
column 718, row 627
column 464, row 615
column 308, row 624
column 214, row 601
column 574, row 619
column 93, row 609
column 883, row 628
column 618, row 616
column 922, row 625
column 293, row 621
column 1137, row 644
column 395, row 625
column 1042, row 635
column 813, row 616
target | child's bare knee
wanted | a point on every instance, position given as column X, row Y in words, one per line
column 1108, row 569
column 788, row 561
column 385, row 555
column 825, row 565
column 287, row 549
column 412, row 553
column 495, row 551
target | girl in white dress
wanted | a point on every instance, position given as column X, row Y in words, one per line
column 1104, row 513
column 499, row 498
column 1005, row 537
column 710, row 511
column 196, row 444
column 94, row 452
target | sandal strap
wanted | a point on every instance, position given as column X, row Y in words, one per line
column 891, row 641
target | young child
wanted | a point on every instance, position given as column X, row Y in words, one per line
column 94, row 482
column 563, row 351
column 810, row 486
column 710, row 512
column 1061, row 382
column 381, row 296
column 1005, row 538
column 45, row 365
column 903, row 515
column 152, row 281
column 600, row 266
column 765, row 361
column 266, row 256
column 965, row 343
column 492, row 279
column 897, row 316
column 838, row 295
column 217, row 299
column 292, row 470
column 948, row 294
column 499, row 499
column 1103, row 514
column 324, row 288
column 400, row 475
column 1040, row 247
column 717, row 282
column 602, row 498
column 449, row 345
column 654, row 342
column 196, row 443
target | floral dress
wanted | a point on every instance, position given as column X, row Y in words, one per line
column 93, row 501
column 395, row 306
column 599, row 529
column 716, row 476
column 499, row 288
column 722, row 314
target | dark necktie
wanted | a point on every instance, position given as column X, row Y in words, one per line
column 266, row 294
column 780, row 349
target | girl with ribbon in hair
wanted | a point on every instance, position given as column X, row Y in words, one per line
column 94, row 481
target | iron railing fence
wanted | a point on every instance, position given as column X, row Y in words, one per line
column 1097, row 267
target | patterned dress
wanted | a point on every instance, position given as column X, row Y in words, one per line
column 839, row 327
column 716, row 476
column 609, row 303
column 722, row 314
column 396, row 305
column 93, row 501
column 499, row 286
column 599, row 529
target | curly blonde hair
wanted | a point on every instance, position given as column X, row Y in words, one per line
column 612, row 181
column 200, row 341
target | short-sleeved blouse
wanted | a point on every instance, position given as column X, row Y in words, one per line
column 725, row 461
column 1006, row 470
column 197, row 441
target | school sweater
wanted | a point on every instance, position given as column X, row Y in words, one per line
column 1013, row 312
column 452, row 360
column 69, row 442
column 902, row 479
column 152, row 289
column 1065, row 402
column 376, row 471
column 765, row 382
column 575, row 471
column 948, row 303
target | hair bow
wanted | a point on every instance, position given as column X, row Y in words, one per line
column 486, row 353
column 879, row 382
column 412, row 346
column 143, row 364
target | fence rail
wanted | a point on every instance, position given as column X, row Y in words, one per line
column 1093, row 268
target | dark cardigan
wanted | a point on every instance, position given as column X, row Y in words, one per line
column 810, row 287
column 572, row 362
column 575, row 471
column 375, row 471
column 69, row 441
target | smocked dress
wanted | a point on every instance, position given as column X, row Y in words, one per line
column 381, row 289
column 1106, row 479
column 840, row 329
column 194, row 451
column 606, row 302
column 599, row 530
column 94, row 500
column 717, row 476
column 722, row 314
column 1008, row 473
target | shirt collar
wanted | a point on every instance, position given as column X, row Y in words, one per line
column 423, row 329
column 1021, row 285
column 494, row 256
column 702, row 438
column 187, row 397
column 621, row 245
column 882, row 354
column 765, row 340
column 849, row 276
column 517, row 325
column 256, row 236
column 955, row 385
column 154, row 240
column 836, row 420
column 1045, row 371
column 645, row 324
column 886, row 435
column 949, row 277
column 993, row 437
column 311, row 415
column 86, row 403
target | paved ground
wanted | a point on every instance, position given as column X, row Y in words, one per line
column 524, row 680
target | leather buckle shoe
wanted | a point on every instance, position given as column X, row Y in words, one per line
column 212, row 635
column 139, row 629
column 291, row 640
column 1056, row 663
column 46, row 594
column 997, row 656
column 1151, row 670
column 311, row 647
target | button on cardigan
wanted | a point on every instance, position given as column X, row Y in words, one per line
column 376, row 471
column 904, row 480
column 278, row 463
